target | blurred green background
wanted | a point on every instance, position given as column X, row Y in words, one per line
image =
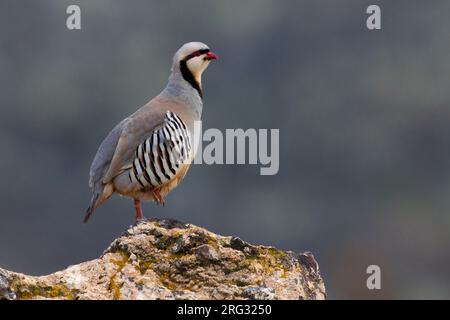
column 363, row 116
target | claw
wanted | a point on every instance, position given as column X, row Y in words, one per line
column 158, row 197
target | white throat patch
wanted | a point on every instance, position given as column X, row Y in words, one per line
column 197, row 65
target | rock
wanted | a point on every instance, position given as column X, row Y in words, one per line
column 205, row 252
column 167, row 259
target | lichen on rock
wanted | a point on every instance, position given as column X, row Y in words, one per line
column 168, row 259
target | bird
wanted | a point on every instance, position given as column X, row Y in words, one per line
column 148, row 154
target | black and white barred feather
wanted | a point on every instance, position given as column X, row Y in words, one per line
column 159, row 157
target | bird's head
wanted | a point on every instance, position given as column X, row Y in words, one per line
column 194, row 57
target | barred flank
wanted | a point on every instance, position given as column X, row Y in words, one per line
column 159, row 157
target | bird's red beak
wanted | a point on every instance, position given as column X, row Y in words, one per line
column 211, row 56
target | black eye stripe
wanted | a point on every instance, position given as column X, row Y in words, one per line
column 196, row 54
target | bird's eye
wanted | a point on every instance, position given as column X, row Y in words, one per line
column 197, row 53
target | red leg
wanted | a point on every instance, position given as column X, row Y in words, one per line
column 138, row 208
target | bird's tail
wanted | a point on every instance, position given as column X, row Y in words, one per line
column 91, row 208
column 100, row 194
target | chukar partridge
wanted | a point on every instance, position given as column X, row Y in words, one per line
column 148, row 154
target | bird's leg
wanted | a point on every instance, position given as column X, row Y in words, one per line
column 159, row 197
column 138, row 208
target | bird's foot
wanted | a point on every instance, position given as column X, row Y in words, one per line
column 141, row 220
column 159, row 198
column 137, row 206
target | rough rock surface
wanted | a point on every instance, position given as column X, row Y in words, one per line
column 167, row 259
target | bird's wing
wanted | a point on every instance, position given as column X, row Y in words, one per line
column 104, row 154
column 136, row 129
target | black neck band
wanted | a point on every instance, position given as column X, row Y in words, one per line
column 189, row 77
